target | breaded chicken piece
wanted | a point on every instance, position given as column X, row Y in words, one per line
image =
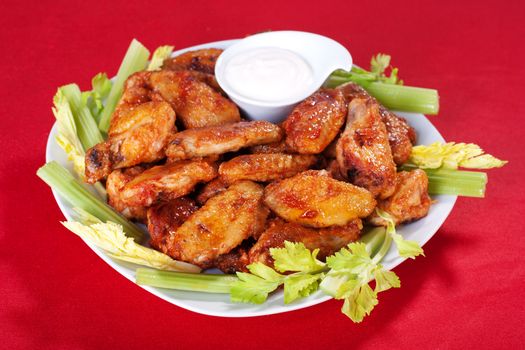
column 138, row 134
column 166, row 182
column 165, row 217
column 327, row 240
column 114, row 185
column 211, row 189
column 363, row 151
column 315, row 122
column 265, row 167
column 203, row 142
column 197, row 60
column 401, row 136
column 197, row 104
column 410, row 200
column 220, row 225
column 312, row 198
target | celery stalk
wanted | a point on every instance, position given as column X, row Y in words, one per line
column 373, row 238
column 87, row 130
column 196, row 282
column 135, row 60
column 75, row 193
column 454, row 182
column 396, row 97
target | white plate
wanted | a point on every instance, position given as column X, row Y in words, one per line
column 219, row 304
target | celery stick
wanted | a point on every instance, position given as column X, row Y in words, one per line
column 396, row 97
column 135, row 60
column 466, row 189
column 373, row 238
column 405, row 98
column 454, row 182
column 185, row 281
column 75, row 193
column 87, row 129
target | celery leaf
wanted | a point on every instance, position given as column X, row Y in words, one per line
column 251, row 289
column 300, row 285
column 295, row 257
column 159, row 55
column 452, row 155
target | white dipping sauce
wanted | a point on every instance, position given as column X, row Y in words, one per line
column 268, row 74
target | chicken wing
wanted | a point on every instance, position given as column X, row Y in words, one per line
column 165, row 182
column 265, row 167
column 203, row 142
column 315, row 122
column 363, row 151
column 138, row 134
column 274, row 147
column 196, row 103
column 314, row 199
column 211, row 189
column 165, row 217
column 114, row 185
column 410, row 200
column 401, row 136
column 220, row 225
column 327, row 240
column 236, row 260
column 198, row 60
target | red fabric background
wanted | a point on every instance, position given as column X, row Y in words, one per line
column 467, row 292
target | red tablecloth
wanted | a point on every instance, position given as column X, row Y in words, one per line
column 468, row 290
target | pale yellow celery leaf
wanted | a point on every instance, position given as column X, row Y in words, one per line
column 485, row 161
column 110, row 237
column 65, row 121
column 453, row 155
column 72, row 155
column 160, row 54
column 379, row 63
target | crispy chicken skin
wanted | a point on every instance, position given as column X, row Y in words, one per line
column 165, row 217
column 327, row 240
column 197, row 104
column 138, row 134
column 363, row 151
column 220, row 225
column 236, row 260
column 211, row 189
column 401, row 136
column 203, row 142
column 197, row 60
column 114, row 185
column 312, row 198
column 165, row 182
column 315, row 122
column 410, row 200
column 274, row 147
column 265, row 167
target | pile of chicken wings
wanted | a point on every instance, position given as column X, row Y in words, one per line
column 216, row 190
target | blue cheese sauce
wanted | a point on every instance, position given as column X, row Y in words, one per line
column 268, row 74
